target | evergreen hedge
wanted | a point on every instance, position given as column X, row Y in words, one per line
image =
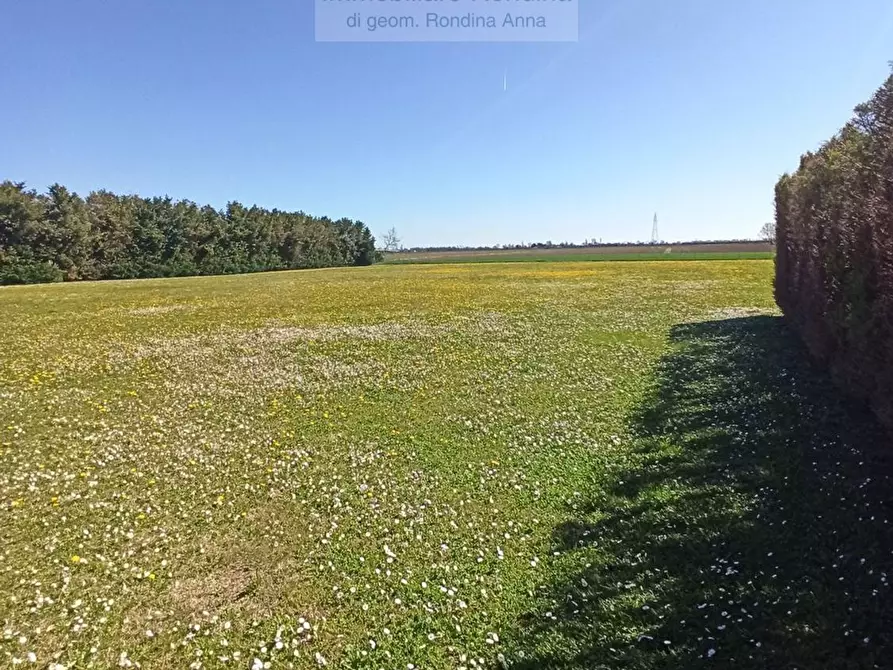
column 834, row 263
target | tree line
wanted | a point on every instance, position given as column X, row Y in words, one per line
column 60, row 236
column 586, row 244
column 834, row 263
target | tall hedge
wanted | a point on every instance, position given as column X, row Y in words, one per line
column 61, row 236
column 834, row 266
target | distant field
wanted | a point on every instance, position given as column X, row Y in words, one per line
column 534, row 466
column 742, row 251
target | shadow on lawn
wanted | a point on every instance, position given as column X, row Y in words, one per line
column 748, row 529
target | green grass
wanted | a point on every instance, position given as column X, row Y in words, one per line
column 563, row 465
column 559, row 256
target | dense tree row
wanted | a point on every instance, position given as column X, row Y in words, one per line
column 590, row 244
column 834, row 267
column 61, row 236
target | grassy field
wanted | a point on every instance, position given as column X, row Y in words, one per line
column 563, row 465
column 698, row 252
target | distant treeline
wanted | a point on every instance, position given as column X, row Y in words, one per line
column 834, row 265
column 60, row 236
column 586, row 244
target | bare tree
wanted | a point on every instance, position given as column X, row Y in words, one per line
column 767, row 232
column 391, row 241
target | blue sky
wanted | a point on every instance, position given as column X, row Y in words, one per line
column 690, row 108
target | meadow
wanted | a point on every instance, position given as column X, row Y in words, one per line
column 708, row 251
column 553, row 465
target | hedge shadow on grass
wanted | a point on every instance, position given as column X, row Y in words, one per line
column 752, row 527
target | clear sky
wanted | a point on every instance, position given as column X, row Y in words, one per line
column 691, row 108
